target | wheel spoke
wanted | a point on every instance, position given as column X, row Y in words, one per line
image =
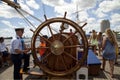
column 70, row 36
column 63, row 61
column 70, row 56
column 61, row 26
column 54, row 30
column 59, row 37
column 40, row 34
column 45, row 56
column 42, row 48
column 72, row 46
column 45, row 39
column 51, row 31
column 56, row 61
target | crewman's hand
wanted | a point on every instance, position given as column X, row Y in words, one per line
column 25, row 51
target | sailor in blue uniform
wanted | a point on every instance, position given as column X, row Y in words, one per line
column 19, row 52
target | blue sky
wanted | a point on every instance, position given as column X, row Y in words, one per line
column 90, row 11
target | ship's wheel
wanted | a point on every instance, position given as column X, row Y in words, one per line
column 60, row 58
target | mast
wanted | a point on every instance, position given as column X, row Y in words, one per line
column 11, row 3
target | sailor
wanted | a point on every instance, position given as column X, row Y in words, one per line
column 19, row 52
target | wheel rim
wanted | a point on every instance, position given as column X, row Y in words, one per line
column 66, row 47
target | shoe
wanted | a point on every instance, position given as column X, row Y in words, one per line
column 101, row 69
column 116, row 62
column 26, row 70
column 111, row 75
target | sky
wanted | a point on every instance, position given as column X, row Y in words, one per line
column 90, row 11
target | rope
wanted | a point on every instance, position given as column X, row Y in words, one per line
column 25, row 17
column 30, row 15
column 26, row 22
column 14, row 5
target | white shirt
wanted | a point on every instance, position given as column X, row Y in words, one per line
column 3, row 47
column 15, row 44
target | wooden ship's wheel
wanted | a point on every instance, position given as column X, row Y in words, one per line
column 60, row 58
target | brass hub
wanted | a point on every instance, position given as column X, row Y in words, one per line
column 57, row 47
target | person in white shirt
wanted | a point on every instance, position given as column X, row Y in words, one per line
column 4, row 52
column 19, row 52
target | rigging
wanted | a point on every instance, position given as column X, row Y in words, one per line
column 18, row 8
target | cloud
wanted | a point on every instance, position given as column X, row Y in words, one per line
column 117, row 28
column 32, row 2
column 91, row 20
column 64, row 8
column 7, row 11
column 92, row 23
column 109, row 5
column 115, row 19
column 10, row 32
column 26, row 8
column 115, row 22
column 53, row 3
column 10, row 29
column 82, row 8
column 60, row 6
column 84, row 4
column 28, row 33
column 8, row 24
column 88, row 10
column 109, row 9
column 99, row 13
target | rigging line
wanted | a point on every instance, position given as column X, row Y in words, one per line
column 24, row 17
column 14, row 5
column 44, row 9
column 26, row 22
column 31, row 15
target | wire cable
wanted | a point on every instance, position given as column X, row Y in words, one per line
column 31, row 15
column 25, row 17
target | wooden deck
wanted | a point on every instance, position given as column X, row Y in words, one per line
column 6, row 73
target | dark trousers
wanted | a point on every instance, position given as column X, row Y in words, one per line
column 17, row 62
column 26, row 58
